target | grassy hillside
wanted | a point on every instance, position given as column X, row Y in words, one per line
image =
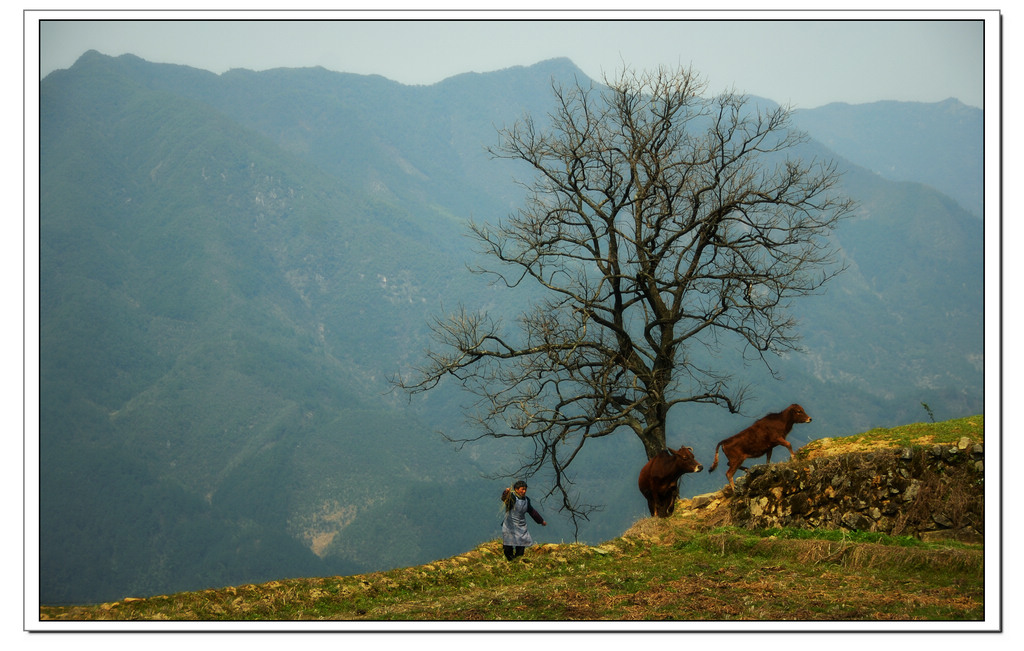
column 692, row 566
column 659, row 570
column 915, row 434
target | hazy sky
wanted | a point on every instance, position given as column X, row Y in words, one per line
column 806, row 62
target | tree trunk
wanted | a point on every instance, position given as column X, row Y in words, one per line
column 653, row 439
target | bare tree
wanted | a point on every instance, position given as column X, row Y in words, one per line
column 660, row 222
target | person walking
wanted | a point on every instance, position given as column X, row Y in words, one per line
column 515, row 537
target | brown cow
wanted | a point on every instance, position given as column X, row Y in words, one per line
column 659, row 479
column 759, row 439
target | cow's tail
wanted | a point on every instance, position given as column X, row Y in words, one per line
column 714, row 464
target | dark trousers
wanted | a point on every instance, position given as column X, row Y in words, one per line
column 513, row 552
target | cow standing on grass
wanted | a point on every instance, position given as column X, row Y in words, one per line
column 759, row 439
column 659, row 479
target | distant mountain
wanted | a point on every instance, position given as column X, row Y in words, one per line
column 940, row 144
column 232, row 265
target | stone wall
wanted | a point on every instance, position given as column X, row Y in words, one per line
column 930, row 492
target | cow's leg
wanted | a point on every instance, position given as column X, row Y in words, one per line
column 667, row 500
column 661, row 506
column 733, row 467
column 788, row 447
column 769, row 458
column 670, row 499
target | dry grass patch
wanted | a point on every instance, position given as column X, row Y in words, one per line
column 916, row 434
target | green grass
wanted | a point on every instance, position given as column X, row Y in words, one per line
column 837, row 535
column 664, row 570
column 915, row 434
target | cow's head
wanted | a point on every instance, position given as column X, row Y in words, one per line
column 797, row 413
column 686, row 461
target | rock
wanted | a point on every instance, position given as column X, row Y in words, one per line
column 969, row 535
column 912, row 490
column 856, row 521
column 756, row 507
column 871, row 491
column 801, row 506
column 699, row 501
